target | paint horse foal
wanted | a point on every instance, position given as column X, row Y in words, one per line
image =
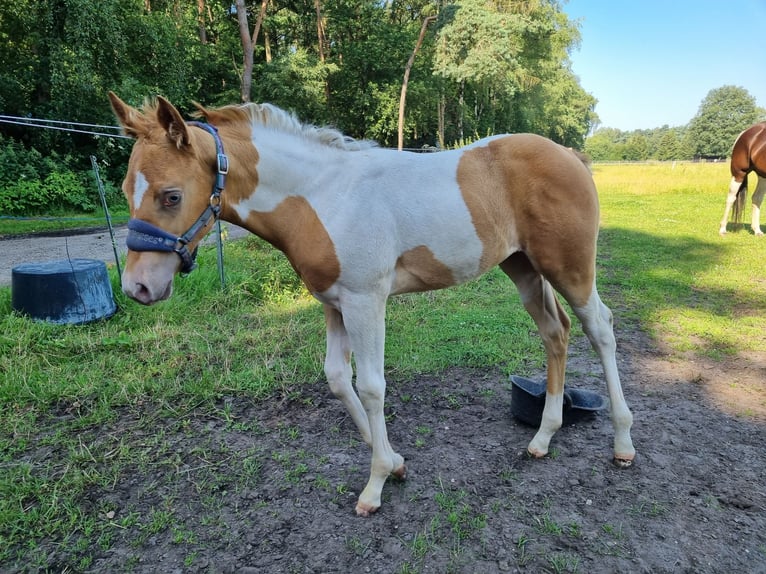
column 359, row 224
column 748, row 154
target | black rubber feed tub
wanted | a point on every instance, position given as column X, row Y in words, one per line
column 528, row 400
column 63, row 291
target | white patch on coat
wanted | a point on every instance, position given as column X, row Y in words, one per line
column 374, row 203
column 139, row 189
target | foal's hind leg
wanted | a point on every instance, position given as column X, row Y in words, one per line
column 553, row 324
column 337, row 369
column 596, row 319
column 758, row 194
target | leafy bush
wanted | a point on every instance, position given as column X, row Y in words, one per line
column 60, row 192
column 25, row 197
column 31, row 184
column 19, row 163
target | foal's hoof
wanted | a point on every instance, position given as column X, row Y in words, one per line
column 623, row 461
column 400, row 473
column 365, row 510
column 535, row 453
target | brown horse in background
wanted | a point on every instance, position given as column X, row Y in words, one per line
column 748, row 154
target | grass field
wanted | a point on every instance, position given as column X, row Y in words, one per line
column 662, row 268
column 21, row 226
column 665, row 266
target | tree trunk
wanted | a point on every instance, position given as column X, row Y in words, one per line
column 407, row 68
column 248, row 45
column 440, row 119
column 201, row 21
column 320, row 30
column 267, row 46
column 461, row 103
column 321, row 42
column 247, row 51
column 259, row 21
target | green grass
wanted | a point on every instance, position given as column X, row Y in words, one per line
column 662, row 268
column 20, row 226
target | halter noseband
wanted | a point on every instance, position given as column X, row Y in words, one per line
column 143, row 236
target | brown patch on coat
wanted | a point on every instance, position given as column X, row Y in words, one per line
column 418, row 269
column 526, row 193
column 295, row 229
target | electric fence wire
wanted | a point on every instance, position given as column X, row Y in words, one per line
column 60, row 126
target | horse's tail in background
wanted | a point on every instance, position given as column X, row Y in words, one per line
column 738, row 209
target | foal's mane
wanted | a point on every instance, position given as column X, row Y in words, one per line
column 274, row 118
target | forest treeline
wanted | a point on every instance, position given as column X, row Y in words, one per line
column 444, row 72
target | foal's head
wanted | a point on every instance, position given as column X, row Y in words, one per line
column 171, row 173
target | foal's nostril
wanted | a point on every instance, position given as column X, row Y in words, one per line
column 139, row 292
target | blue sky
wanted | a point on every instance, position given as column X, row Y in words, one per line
column 651, row 62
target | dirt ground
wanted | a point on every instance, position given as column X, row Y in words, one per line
column 270, row 488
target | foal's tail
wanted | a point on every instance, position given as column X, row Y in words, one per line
column 738, row 209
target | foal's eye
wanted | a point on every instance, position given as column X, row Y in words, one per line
column 171, row 198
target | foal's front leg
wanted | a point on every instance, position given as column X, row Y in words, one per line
column 364, row 318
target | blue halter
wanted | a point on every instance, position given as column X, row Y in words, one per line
column 143, row 236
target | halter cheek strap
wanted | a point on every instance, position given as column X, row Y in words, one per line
column 143, row 236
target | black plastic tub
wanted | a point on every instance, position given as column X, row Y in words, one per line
column 66, row 291
column 528, row 400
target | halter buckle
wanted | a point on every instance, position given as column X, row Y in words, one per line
column 223, row 164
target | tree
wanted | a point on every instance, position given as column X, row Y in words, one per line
column 603, row 145
column 407, row 68
column 723, row 115
column 19, row 37
column 248, row 44
column 477, row 50
column 507, row 64
column 636, row 148
column 669, row 146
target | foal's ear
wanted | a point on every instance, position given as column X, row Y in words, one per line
column 132, row 121
column 172, row 122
